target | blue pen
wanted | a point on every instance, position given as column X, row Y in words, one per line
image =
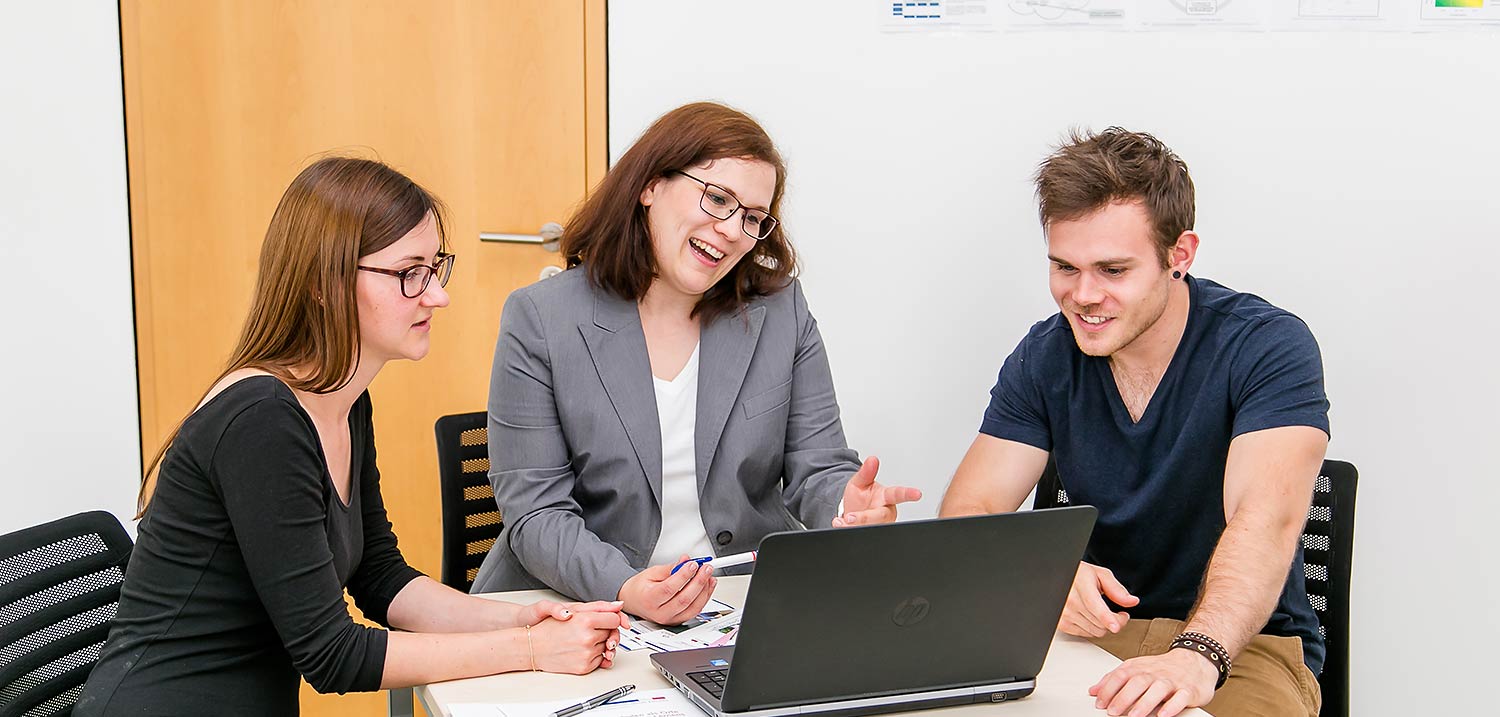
column 728, row 561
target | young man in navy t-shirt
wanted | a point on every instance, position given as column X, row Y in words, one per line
column 1192, row 416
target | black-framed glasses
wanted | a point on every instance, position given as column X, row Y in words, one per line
column 414, row 279
column 720, row 203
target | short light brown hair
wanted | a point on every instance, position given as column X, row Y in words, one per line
column 1092, row 170
column 608, row 234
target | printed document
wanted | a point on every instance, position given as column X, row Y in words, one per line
column 641, row 703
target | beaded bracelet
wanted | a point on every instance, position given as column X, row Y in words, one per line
column 1207, row 647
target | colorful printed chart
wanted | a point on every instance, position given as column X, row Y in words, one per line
column 1460, row 12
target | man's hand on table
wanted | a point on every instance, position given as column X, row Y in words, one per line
column 1171, row 682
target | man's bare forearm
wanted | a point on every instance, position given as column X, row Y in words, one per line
column 994, row 477
column 1245, row 577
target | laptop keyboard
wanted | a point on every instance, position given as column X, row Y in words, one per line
column 712, row 681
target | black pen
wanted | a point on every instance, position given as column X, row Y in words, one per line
column 593, row 702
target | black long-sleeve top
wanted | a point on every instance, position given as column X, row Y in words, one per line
column 236, row 585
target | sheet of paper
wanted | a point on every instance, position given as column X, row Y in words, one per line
column 641, row 703
column 715, row 626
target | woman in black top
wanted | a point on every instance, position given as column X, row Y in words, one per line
column 267, row 503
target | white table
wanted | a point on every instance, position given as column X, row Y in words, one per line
column 1073, row 665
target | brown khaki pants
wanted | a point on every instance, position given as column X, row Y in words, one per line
column 1268, row 677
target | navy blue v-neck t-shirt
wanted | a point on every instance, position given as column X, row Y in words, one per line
column 1243, row 365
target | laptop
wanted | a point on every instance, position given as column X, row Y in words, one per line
column 901, row 616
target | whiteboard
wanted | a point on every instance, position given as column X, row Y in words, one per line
column 1350, row 177
column 70, row 436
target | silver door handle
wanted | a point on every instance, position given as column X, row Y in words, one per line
column 548, row 236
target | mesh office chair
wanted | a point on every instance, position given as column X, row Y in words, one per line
column 1327, row 554
column 471, row 521
column 59, row 589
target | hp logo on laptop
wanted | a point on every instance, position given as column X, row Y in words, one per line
column 911, row 611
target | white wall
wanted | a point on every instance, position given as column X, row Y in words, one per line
column 69, row 427
column 1348, row 177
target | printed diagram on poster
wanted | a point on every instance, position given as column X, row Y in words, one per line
column 1340, row 9
column 1225, row 14
column 905, row 16
column 1071, row 14
column 1460, row 13
column 1341, row 14
column 936, row 15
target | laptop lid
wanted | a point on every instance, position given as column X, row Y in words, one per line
column 916, row 606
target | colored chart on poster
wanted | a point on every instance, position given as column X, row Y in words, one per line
column 1437, row 13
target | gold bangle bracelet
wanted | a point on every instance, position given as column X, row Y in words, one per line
column 531, row 650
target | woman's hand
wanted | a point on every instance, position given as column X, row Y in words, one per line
column 661, row 596
column 578, row 645
column 866, row 501
column 561, row 611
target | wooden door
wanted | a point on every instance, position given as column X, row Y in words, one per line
column 496, row 106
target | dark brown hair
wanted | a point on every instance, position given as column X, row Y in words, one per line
column 1091, row 170
column 608, row 234
column 303, row 326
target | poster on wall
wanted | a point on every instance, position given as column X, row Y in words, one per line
column 936, row 15
column 1064, row 14
column 1460, row 14
column 1202, row 14
column 1371, row 15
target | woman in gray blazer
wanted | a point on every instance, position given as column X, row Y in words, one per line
column 668, row 395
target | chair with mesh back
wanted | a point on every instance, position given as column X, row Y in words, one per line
column 471, row 520
column 1328, row 556
column 59, row 589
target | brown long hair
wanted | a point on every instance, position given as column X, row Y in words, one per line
column 1091, row 170
column 303, row 326
column 608, row 234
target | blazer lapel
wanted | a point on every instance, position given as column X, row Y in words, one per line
column 724, row 351
column 618, row 348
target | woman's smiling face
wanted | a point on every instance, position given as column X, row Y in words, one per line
column 693, row 249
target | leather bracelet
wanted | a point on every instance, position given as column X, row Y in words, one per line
column 1209, row 648
column 531, row 650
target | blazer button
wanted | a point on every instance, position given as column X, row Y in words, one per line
column 724, row 537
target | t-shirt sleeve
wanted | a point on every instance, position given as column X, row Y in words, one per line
column 1017, row 411
column 270, row 476
column 382, row 572
column 1277, row 378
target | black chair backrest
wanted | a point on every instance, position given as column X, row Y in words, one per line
column 1328, row 554
column 59, row 590
column 471, row 520
column 1328, row 559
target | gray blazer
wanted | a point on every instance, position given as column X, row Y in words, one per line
column 575, row 443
